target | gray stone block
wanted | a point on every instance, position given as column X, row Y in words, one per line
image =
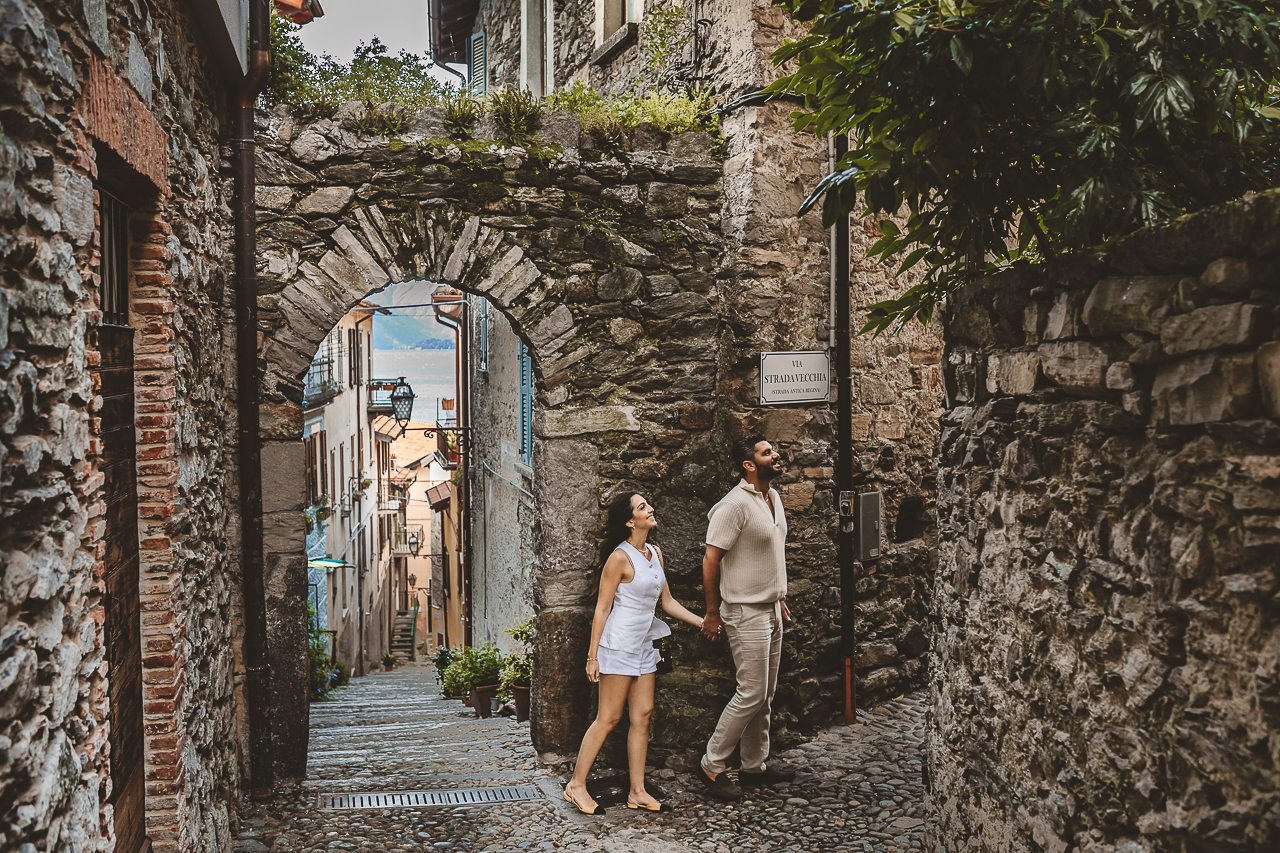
column 486, row 128
column 678, row 305
column 1268, row 360
column 139, row 69
column 1234, row 276
column 1120, row 376
column 1064, row 317
column 559, row 321
column 1215, row 327
column 694, row 145
column 326, row 201
column 1203, row 389
column 1133, row 304
column 428, row 122
column 560, row 128
column 646, row 137
column 1075, row 365
column 312, row 148
column 272, row 198
column 572, row 422
column 1012, row 373
column 619, row 284
column 663, row 285
column 668, row 201
column 73, row 201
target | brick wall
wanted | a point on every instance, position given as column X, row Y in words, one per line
column 1105, row 647
column 116, row 93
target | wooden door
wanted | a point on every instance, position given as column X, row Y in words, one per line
column 119, row 452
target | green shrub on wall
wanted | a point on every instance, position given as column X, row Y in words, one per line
column 391, row 88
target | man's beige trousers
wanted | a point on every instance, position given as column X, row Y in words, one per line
column 754, row 632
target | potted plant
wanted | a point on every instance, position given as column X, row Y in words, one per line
column 517, row 671
column 440, row 660
column 477, row 670
column 389, row 662
column 365, row 483
column 323, row 511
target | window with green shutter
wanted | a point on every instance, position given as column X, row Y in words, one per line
column 526, row 406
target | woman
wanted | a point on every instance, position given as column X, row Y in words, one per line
column 621, row 657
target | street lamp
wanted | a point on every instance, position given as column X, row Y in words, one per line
column 413, row 581
column 415, row 544
column 402, row 398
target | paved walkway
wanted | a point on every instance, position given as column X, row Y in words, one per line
column 859, row 789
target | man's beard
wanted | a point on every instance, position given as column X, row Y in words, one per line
column 767, row 473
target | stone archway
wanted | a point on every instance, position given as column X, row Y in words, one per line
column 603, row 263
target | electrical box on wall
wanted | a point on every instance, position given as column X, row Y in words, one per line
column 867, row 515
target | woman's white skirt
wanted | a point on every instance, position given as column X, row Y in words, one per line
column 614, row 662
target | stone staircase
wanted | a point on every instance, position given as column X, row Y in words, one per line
column 402, row 636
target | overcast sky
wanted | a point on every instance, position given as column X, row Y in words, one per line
column 346, row 23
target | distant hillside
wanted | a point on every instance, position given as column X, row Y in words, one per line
column 433, row 343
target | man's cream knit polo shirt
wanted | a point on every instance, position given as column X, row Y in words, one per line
column 753, row 569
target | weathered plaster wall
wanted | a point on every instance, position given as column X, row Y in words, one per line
column 115, row 92
column 503, row 557
column 1105, row 655
column 499, row 20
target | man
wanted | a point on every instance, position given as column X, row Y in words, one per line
column 745, row 577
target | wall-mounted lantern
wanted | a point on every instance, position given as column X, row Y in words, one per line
column 402, row 398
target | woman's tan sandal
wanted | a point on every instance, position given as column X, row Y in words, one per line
column 596, row 810
column 650, row 807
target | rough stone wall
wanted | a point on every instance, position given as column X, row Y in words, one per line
column 499, row 20
column 1105, row 655
column 574, row 38
column 763, row 273
column 112, row 91
column 771, row 287
column 601, row 263
column 773, row 292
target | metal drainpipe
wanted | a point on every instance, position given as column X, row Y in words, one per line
column 464, row 454
column 257, row 664
column 844, row 432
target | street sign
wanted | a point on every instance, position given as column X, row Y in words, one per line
column 794, row 377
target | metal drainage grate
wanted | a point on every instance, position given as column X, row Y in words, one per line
column 410, row 799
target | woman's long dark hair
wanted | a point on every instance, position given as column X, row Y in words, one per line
column 615, row 527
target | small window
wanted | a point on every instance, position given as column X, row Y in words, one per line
column 477, row 67
column 613, row 15
column 114, row 233
column 526, row 406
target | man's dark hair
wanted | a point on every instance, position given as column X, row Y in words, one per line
column 744, row 450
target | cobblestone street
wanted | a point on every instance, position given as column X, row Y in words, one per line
column 859, row 787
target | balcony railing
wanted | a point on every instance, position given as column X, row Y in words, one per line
column 391, row 497
column 380, row 396
column 319, row 386
column 447, row 447
column 400, row 539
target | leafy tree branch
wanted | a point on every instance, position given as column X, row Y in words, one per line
column 1016, row 130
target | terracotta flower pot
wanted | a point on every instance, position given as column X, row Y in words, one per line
column 521, row 697
column 482, row 699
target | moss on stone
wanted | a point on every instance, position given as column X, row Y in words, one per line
column 487, row 191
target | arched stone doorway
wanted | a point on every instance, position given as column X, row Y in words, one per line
column 604, row 263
